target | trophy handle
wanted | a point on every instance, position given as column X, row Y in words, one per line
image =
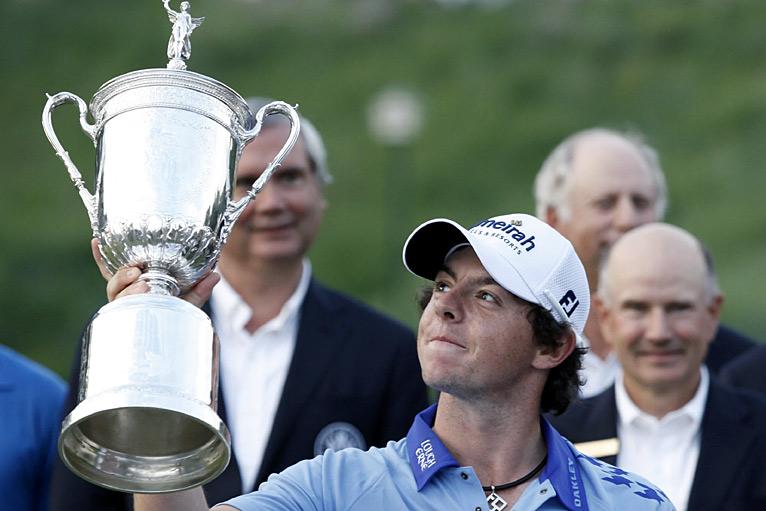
column 53, row 102
column 235, row 209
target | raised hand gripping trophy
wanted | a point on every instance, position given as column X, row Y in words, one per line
column 167, row 142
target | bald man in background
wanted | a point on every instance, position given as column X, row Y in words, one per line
column 595, row 186
column 666, row 417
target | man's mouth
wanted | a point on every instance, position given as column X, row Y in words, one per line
column 446, row 342
column 661, row 355
column 268, row 228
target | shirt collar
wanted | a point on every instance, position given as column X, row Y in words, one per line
column 628, row 412
column 563, row 470
column 428, row 455
column 232, row 310
column 228, row 307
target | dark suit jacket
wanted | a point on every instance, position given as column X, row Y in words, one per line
column 350, row 364
column 727, row 345
column 747, row 371
column 731, row 471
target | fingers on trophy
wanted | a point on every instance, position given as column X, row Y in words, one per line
column 167, row 143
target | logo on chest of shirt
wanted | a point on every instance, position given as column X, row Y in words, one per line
column 425, row 455
column 339, row 435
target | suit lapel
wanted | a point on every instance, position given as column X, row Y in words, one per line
column 603, row 421
column 726, row 439
column 320, row 335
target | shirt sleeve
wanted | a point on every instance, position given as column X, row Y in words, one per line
column 298, row 488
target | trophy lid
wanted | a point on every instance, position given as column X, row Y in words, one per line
column 181, row 79
column 176, row 75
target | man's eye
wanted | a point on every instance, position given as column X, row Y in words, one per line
column 288, row 176
column 244, row 184
column 487, row 297
column 641, row 203
column 678, row 307
column 441, row 286
column 605, row 203
column 635, row 308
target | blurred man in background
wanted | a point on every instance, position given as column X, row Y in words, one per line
column 666, row 417
column 595, row 186
column 303, row 368
column 31, row 397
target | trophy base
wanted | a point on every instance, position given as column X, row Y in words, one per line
column 147, row 444
column 146, row 421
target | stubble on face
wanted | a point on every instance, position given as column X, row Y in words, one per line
column 474, row 338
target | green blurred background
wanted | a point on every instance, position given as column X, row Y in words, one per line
column 499, row 83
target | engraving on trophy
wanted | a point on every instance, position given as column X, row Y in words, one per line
column 182, row 249
column 179, row 45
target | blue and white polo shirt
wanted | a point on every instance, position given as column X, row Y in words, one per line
column 419, row 473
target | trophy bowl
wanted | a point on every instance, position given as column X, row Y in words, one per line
column 167, row 144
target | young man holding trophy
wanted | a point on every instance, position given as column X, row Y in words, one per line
column 497, row 338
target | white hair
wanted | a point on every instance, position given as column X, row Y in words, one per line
column 552, row 181
column 312, row 141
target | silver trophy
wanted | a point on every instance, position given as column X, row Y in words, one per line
column 167, row 144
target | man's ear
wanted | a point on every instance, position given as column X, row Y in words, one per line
column 715, row 307
column 714, row 315
column 552, row 217
column 602, row 312
column 549, row 357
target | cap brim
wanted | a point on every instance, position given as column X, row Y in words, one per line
column 427, row 248
column 428, row 245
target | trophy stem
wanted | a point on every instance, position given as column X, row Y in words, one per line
column 160, row 282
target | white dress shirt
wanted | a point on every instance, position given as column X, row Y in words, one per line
column 664, row 451
column 254, row 369
column 597, row 372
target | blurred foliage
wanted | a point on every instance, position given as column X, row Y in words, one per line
column 501, row 86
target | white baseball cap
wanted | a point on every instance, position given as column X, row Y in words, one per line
column 523, row 254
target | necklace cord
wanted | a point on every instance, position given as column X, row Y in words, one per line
column 518, row 481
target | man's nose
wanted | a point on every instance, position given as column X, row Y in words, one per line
column 448, row 307
column 658, row 327
column 270, row 198
column 627, row 215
